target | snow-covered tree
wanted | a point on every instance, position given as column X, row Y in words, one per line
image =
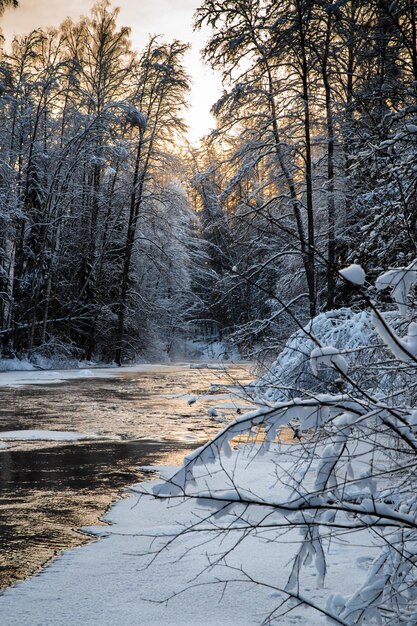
column 7, row 3
column 318, row 108
column 159, row 97
column 87, row 176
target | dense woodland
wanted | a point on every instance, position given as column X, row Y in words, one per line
column 119, row 240
column 298, row 212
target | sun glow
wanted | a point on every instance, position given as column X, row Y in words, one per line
column 169, row 19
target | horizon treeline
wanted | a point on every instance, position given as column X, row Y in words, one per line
column 117, row 243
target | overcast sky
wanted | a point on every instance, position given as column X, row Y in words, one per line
column 172, row 18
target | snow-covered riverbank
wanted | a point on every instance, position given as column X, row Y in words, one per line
column 216, row 570
column 125, row 576
column 14, row 378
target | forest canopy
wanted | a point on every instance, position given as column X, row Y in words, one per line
column 119, row 240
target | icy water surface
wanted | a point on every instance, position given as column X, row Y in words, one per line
column 50, row 489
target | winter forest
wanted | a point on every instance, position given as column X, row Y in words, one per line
column 119, row 240
column 288, row 234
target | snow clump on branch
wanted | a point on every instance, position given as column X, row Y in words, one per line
column 401, row 281
column 329, row 356
column 354, row 274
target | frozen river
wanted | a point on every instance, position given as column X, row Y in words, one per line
column 48, row 489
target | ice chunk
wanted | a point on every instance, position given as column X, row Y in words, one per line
column 45, row 435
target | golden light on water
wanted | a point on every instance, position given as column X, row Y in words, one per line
column 49, row 489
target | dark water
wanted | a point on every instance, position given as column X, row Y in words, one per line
column 48, row 490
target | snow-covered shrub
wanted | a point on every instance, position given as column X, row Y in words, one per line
column 353, row 335
column 211, row 350
column 55, row 354
column 291, row 373
column 15, row 364
column 343, row 495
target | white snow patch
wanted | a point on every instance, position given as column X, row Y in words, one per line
column 354, row 274
column 87, row 374
column 328, row 356
column 45, row 435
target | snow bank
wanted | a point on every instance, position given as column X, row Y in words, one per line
column 40, row 362
column 39, row 377
column 15, row 365
column 353, row 341
column 111, row 583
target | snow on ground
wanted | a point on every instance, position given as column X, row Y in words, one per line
column 110, row 582
column 45, row 435
column 207, row 366
column 41, row 377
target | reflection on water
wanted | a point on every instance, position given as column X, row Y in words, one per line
column 151, row 404
column 49, row 489
column 48, row 494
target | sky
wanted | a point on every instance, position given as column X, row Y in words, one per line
column 171, row 18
